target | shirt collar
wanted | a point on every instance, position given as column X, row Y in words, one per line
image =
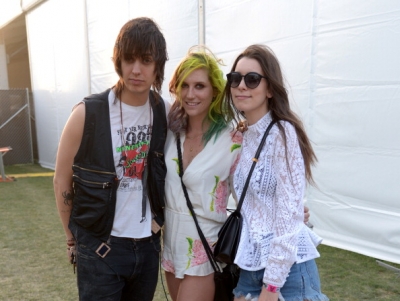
column 261, row 125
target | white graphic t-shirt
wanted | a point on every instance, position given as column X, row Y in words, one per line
column 131, row 142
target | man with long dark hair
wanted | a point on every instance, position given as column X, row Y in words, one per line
column 110, row 172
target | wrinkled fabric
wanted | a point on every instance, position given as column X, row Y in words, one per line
column 207, row 179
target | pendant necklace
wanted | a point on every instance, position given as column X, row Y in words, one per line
column 192, row 138
column 122, row 123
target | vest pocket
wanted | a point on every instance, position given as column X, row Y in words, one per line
column 93, row 194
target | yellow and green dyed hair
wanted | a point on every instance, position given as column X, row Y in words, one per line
column 219, row 113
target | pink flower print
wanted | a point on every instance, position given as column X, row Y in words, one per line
column 168, row 265
column 219, row 196
column 237, row 137
column 197, row 253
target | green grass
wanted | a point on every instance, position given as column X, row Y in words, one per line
column 34, row 266
column 352, row 277
column 25, row 168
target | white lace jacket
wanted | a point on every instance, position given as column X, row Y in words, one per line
column 273, row 236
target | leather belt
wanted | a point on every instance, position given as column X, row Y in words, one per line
column 134, row 239
column 141, row 239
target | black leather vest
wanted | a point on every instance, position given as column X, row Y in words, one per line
column 94, row 178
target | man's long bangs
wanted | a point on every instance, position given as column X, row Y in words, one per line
column 140, row 46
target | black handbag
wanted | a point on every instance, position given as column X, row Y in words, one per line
column 229, row 235
column 226, row 279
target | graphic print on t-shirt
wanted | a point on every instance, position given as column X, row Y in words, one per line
column 133, row 152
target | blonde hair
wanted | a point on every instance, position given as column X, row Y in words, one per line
column 219, row 114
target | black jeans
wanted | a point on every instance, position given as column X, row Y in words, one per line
column 128, row 272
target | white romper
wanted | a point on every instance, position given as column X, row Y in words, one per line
column 207, row 179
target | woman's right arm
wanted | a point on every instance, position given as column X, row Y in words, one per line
column 288, row 212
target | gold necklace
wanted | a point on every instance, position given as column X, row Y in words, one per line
column 191, row 147
column 194, row 144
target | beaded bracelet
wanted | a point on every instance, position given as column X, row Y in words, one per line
column 272, row 288
column 71, row 242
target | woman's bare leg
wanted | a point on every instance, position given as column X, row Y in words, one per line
column 173, row 285
column 197, row 288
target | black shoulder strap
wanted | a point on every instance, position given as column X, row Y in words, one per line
column 207, row 248
column 255, row 160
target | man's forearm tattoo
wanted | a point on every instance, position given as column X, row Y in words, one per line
column 68, row 197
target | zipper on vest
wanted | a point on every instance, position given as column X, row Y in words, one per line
column 96, row 171
column 158, row 154
column 103, row 184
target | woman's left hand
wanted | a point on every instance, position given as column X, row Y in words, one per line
column 306, row 214
column 268, row 296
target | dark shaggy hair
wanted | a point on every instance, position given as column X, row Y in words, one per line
column 139, row 38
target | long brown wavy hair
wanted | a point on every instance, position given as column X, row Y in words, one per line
column 278, row 104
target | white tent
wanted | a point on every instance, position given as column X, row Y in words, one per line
column 341, row 63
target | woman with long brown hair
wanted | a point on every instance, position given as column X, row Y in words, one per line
column 277, row 250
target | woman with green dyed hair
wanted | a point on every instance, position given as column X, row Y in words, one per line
column 210, row 149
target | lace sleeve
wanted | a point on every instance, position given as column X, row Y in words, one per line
column 288, row 166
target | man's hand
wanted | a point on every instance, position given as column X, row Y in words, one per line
column 71, row 252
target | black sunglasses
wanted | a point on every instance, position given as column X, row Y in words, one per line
column 251, row 79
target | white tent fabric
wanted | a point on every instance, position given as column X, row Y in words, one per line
column 105, row 18
column 355, row 101
column 341, row 64
column 10, row 10
column 59, row 68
